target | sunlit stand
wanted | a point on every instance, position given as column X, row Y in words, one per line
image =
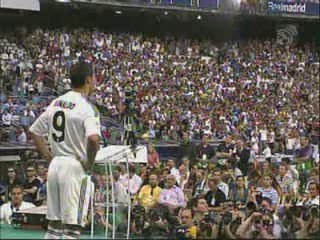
column 108, row 157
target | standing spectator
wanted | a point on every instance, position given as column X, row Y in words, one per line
column 268, row 191
column 172, row 168
column 285, row 181
column 239, row 193
column 221, row 185
column 15, row 205
column 31, row 185
column 153, row 156
column 135, row 181
column 200, row 184
column 215, row 197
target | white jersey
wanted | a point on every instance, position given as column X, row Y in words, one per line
column 68, row 122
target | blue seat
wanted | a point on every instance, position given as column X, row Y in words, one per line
column 36, row 99
column 12, row 136
column 25, row 121
column 3, row 98
column 4, row 107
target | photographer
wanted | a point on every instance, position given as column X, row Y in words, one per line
column 204, row 219
column 257, row 226
column 186, row 230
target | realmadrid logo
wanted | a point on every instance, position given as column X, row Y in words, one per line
column 287, row 34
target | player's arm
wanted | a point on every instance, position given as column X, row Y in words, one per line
column 92, row 129
column 42, row 146
column 93, row 147
column 38, row 130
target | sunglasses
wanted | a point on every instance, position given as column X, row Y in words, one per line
column 10, row 171
column 30, row 170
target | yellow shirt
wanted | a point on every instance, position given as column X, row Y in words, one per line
column 145, row 195
column 193, row 232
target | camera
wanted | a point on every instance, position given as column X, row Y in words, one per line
column 138, row 216
column 130, row 96
column 227, row 218
column 182, row 232
column 210, row 217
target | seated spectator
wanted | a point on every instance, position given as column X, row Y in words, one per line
column 11, row 181
column 15, row 205
column 149, row 194
column 215, row 197
column 31, row 185
column 6, row 118
column 172, row 196
column 41, row 172
column 22, row 137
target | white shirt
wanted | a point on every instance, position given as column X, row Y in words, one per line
column 263, row 135
column 7, row 209
column 6, row 119
column 267, row 152
column 224, row 188
column 68, row 121
column 22, row 138
column 134, row 183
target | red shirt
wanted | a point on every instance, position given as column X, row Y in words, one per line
column 153, row 159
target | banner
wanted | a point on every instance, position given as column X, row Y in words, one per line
column 287, row 33
column 293, row 7
column 33, row 5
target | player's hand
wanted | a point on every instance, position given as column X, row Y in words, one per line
column 85, row 166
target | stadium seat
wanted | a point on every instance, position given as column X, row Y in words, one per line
column 36, row 99
column 25, row 121
column 3, row 98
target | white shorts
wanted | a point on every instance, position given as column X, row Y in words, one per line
column 68, row 191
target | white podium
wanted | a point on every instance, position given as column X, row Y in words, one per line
column 108, row 157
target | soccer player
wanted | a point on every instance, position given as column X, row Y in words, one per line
column 72, row 126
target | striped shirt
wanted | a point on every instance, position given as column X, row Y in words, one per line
column 270, row 193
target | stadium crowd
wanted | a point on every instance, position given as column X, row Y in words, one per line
column 260, row 97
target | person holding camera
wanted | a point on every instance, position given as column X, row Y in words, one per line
column 257, row 226
column 186, row 230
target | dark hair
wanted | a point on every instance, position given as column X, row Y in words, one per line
column 18, row 186
column 267, row 200
column 187, row 209
column 79, row 74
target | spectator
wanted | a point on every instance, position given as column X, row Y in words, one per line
column 22, row 137
column 187, row 230
column 172, row 196
column 15, row 205
column 12, row 181
column 31, row 185
column 239, row 193
column 268, row 191
column 215, row 197
column 285, row 181
column 149, row 194
column 153, row 156
column 221, row 185
column 6, row 118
